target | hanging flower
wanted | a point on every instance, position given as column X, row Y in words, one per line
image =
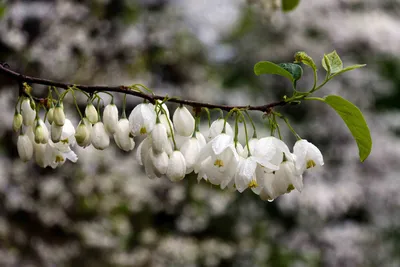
column 17, row 122
column 122, row 135
column 176, row 166
column 91, row 113
column 159, row 137
column 50, row 115
column 58, row 115
column 307, row 155
column 191, row 151
column 99, row 136
column 41, row 132
column 24, row 147
column 28, row 113
column 110, row 118
column 56, row 132
column 83, row 133
column 142, row 119
column 183, row 121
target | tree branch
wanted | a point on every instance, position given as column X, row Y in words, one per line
column 19, row 78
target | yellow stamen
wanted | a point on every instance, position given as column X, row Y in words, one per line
column 290, row 188
column 59, row 159
column 219, row 163
column 253, row 183
column 143, row 130
column 65, row 141
column 310, row 164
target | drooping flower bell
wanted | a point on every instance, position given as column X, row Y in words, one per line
column 159, row 138
column 41, row 132
column 59, row 115
column 122, row 135
column 83, row 133
column 183, row 121
column 24, row 147
column 17, row 121
column 307, row 155
column 99, row 136
column 142, row 119
column 176, row 166
column 110, row 118
column 28, row 112
column 91, row 113
column 217, row 127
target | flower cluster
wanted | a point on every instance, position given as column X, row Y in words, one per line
column 171, row 148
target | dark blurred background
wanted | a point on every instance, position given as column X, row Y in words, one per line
column 103, row 211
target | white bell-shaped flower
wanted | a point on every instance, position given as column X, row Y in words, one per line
column 59, row 115
column 50, row 115
column 284, row 180
column 110, row 118
column 91, row 113
column 217, row 127
column 191, row 151
column 218, row 161
column 159, row 137
column 17, row 122
column 99, row 136
column 41, row 132
column 167, row 123
column 142, row 119
column 57, row 154
column 201, row 138
column 176, row 166
column 41, row 158
column 68, row 134
column 83, row 133
column 183, row 121
column 56, row 132
column 307, row 155
column 159, row 161
column 246, row 172
column 28, row 113
column 24, row 147
column 269, row 152
column 180, row 140
column 122, row 135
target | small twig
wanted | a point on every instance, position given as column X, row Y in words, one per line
column 4, row 68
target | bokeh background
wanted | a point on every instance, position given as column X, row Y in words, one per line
column 103, row 211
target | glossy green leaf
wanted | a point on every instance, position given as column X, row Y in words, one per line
column 335, row 62
column 353, row 67
column 266, row 67
column 355, row 121
column 289, row 5
column 294, row 69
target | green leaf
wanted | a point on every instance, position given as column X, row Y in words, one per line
column 266, row 67
column 289, row 5
column 302, row 57
column 335, row 62
column 294, row 69
column 355, row 121
column 353, row 67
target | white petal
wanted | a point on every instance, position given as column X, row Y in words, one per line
column 183, row 121
column 176, row 167
column 221, row 142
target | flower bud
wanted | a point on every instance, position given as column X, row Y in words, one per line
column 50, row 115
column 28, row 113
column 122, row 135
column 24, row 147
column 160, row 162
column 176, row 166
column 17, row 122
column 91, row 113
column 183, row 121
column 41, row 133
column 41, row 158
column 56, row 132
column 110, row 118
column 82, row 134
column 99, row 136
column 217, row 127
column 59, row 116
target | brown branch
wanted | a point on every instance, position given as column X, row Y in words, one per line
column 126, row 90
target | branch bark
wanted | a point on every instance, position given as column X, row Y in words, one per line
column 20, row 78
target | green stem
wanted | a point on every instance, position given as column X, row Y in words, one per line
column 124, row 107
column 76, row 104
column 169, row 123
column 246, row 134
column 252, row 124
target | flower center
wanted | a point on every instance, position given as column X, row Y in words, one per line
column 253, row 183
column 65, row 141
column 289, row 188
column 143, row 130
column 219, row 163
column 59, row 159
column 310, row 164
